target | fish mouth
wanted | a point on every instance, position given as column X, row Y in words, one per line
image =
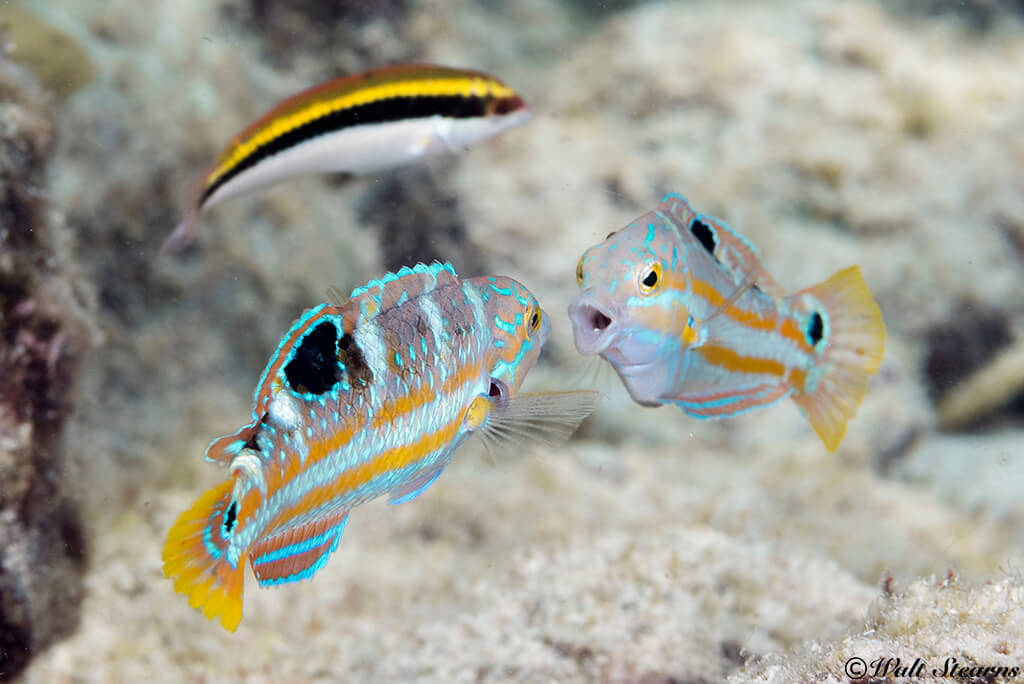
column 593, row 326
column 602, row 329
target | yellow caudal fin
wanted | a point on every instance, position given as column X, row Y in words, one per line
column 195, row 557
column 851, row 330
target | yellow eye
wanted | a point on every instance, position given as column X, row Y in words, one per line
column 535, row 319
column 650, row 278
column 579, row 272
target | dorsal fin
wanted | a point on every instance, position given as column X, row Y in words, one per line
column 726, row 245
column 223, row 449
column 433, row 275
column 394, row 288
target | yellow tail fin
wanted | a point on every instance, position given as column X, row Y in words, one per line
column 195, row 556
column 854, row 339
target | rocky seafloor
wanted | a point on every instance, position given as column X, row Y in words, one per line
column 652, row 548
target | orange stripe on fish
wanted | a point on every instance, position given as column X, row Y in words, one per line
column 680, row 305
column 389, row 461
column 730, row 360
column 367, row 398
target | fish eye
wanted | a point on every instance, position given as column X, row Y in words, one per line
column 535, row 319
column 579, row 272
column 650, row 278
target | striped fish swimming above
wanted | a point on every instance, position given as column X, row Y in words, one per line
column 364, row 399
column 680, row 305
column 358, row 124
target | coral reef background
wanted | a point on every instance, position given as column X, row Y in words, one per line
column 653, row 548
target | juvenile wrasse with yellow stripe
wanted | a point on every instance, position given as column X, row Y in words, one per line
column 682, row 308
column 362, row 399
column 357, row 124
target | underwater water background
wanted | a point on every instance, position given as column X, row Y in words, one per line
column 653, row 547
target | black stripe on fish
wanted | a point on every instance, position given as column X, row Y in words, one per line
column 380, row 111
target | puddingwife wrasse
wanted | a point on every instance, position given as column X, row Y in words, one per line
column 358, row 124
column 682, row 308
column 362, row 399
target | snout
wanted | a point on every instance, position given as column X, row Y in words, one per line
column 592, row 325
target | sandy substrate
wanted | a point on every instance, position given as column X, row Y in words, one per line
column 654, row 547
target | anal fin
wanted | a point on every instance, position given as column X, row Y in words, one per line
column 298, row 553
column 733, row 401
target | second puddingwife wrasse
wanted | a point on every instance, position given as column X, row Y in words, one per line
column 361, row 123
column 363, row 399
column 681, row 306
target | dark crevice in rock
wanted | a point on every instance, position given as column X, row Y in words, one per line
column 45, row 327
column 15, row 646
column 416, row 219
column 980, row 15
column 335, row 31
column 956, row 348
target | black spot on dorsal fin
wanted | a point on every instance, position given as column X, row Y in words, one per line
column 251, row 442
column 705, row 235
column 351, row 355
column 815, row 328
column 314, row 366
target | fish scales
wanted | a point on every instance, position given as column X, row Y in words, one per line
column 680, row 305
column 364, row 398
column 319, row 448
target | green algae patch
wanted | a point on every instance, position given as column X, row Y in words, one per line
column 57, row 60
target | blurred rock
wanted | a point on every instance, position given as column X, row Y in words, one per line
column 661, row 548
column 980, row 474
column 60, row 63
column 986, row 391
column 353, row 35
column 416, row 219
column 972, row 369
column 979, row 14
column 44, row 329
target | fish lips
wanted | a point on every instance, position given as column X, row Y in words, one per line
column 600, row 328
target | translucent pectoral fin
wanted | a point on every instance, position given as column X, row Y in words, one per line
column 544, row 417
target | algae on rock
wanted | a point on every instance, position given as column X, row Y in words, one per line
column 44, row 329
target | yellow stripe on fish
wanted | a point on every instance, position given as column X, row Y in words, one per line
column 358, row 124
column 362, row 399
column 682, row 308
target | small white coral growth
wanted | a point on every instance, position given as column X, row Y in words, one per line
column 938, row 629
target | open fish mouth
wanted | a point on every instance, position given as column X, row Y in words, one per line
column 600, row 329
column 593, row 326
